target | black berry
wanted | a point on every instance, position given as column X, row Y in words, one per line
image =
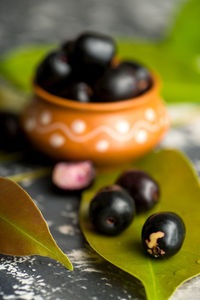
column 141, row 187
column 79, row 91
column 111, row 210
column 91, row 55
column 91, row 60
column 125, row 81
column 142, row 74
column 116, row 84
column 12, row 136
column 163, row 234
column 54, row 72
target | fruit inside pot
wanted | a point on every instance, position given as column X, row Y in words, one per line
column 87, row 70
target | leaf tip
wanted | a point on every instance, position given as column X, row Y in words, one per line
column 63, row 259
column 68, row 264
column 71, row 268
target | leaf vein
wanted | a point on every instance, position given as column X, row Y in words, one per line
column 25, row 233
column 153, row 279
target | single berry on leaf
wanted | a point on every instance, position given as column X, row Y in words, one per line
column 141, row 187
column 163, row 234
column 54, row 72
column 111, row 210
column 79, row 91
column 73, row 176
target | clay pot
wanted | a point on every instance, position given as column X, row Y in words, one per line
column 106, row 133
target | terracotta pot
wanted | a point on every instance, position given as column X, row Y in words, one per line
column 106, row 133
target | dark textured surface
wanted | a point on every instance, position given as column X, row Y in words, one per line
column 93, row 278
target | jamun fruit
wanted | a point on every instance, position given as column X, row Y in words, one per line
column 79, row 91
column 12, row 136
column 142, row 74
column 111, row 210
column 163, row 234
column 119, row 83
column 54, row 72
column 91, row 55
column 141, row 187
column 90, row 59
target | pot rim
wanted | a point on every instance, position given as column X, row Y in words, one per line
column 93, row 106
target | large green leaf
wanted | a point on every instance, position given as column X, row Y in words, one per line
column 23, row 228
column 180, row 193
column 184, row 37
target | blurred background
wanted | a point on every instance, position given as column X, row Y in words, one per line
column 41, row 21
column 33, row 27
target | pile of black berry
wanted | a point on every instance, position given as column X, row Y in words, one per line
column 88, row 70
column 114, row 207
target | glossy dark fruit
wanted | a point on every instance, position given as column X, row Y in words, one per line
column 12, row 136
column 163, row 234
column 93, row 53
column 116, row 84
column 54, row 72
column 123, row 82
column 95, row 48
column 142, row 74
column 141, row 187
column 111, row 210
column 79, row 91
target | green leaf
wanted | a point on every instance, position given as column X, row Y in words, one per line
column 184, row 37
column 12, row 99
column 180, row 193
column 23, row 228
